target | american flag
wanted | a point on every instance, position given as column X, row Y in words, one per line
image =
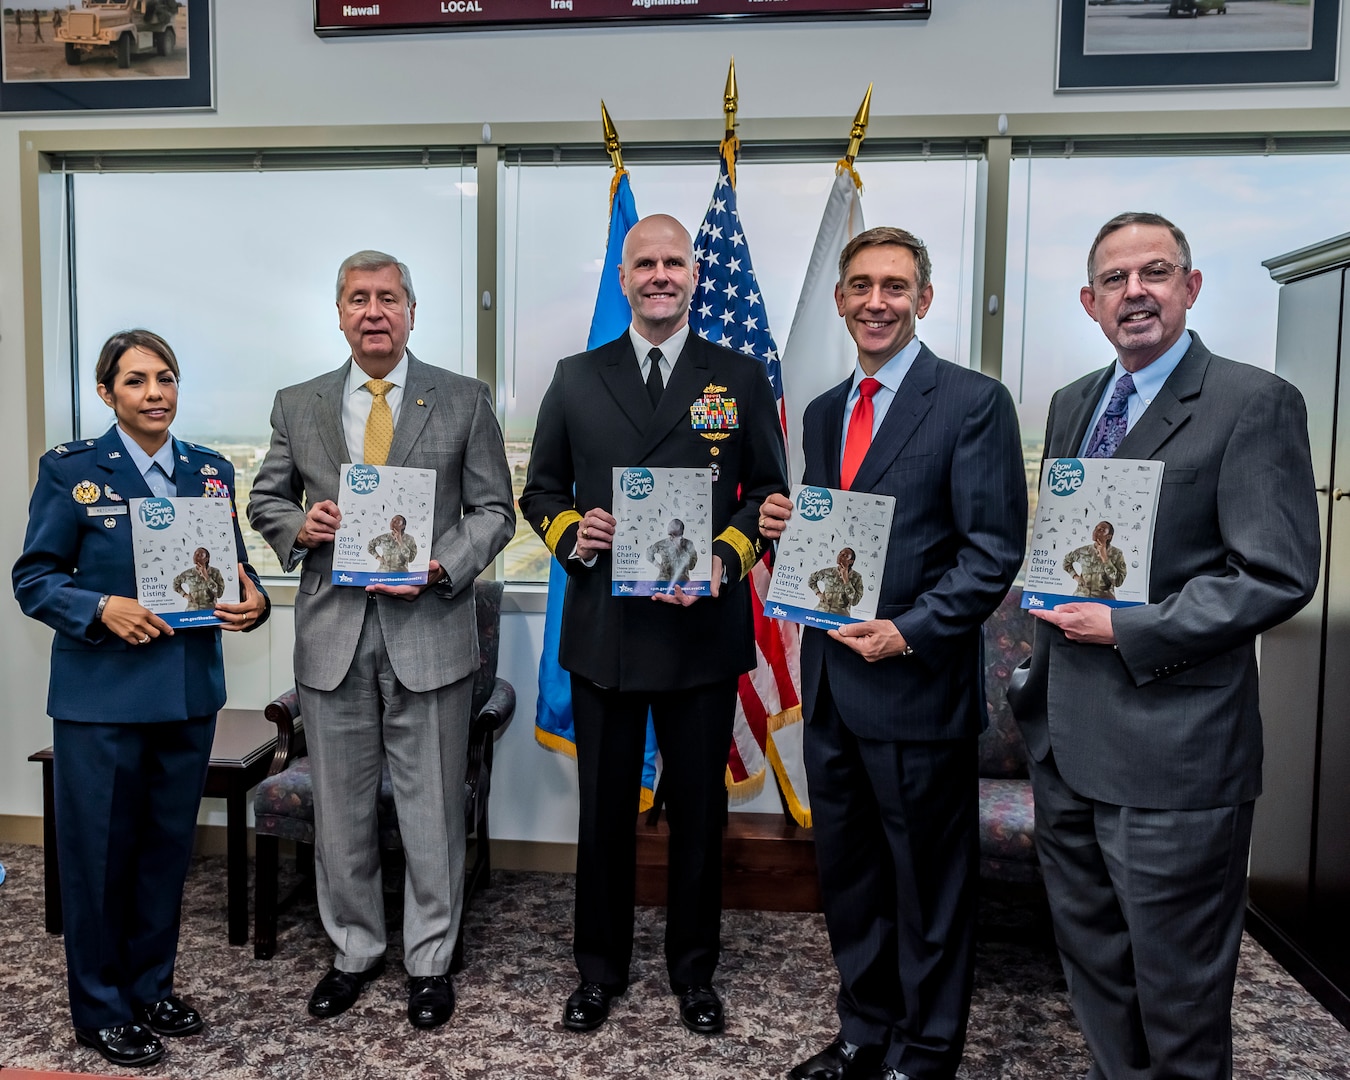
column 727, row 309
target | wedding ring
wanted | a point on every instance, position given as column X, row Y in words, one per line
column 145, row 640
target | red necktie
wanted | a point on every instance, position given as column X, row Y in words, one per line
column 859, row 432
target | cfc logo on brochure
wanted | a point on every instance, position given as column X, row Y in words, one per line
column 1066, row 476
column 636, row 483
column 157, row 513
column 363, row 479
column 814, row 503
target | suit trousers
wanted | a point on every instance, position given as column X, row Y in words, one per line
column 352, row 730
column 897, row 846
column 693, row 731
column 127, row 797
column 1148, row 909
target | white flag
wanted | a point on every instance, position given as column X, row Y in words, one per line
column 819, row 355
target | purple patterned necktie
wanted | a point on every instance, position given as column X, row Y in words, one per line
column 1111, row 428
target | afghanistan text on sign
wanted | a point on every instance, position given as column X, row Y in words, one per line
column 343, row 17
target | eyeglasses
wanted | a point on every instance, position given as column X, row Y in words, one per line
column 1155, row 273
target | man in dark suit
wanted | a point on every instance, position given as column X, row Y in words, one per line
column 675, row 654
column 385, row 673
column 894, row 705
column 1142, row 722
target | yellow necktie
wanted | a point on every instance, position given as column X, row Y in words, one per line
column 379, row 424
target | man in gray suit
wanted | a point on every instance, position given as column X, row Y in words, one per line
column 1141, row 722
column 386, row 672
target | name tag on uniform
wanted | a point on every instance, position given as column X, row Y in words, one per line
column 104, row 511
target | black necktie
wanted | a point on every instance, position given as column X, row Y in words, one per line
column 655, row 386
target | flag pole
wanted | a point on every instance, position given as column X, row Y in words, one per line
column 614, row 148
column 731, row 145
column 855, row 139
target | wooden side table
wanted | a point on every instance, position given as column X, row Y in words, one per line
column 240, row 756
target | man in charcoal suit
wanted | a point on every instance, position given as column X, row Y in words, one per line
column 679, row 655
column 894, row 705
column 1141, row 722
column 386, row 672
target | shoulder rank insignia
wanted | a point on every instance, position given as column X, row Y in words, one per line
column 61, row 448
column 86, row 492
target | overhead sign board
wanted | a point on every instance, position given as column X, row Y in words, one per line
column 333, row 17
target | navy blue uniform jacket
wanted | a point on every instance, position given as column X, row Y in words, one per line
column 72, row 555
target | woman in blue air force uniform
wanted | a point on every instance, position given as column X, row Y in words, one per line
column 133, row 702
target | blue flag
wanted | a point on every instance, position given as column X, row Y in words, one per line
column 553, row 714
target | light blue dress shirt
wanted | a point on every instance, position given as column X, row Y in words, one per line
column 159, row 480
column 1147, row 382
column 891, row 375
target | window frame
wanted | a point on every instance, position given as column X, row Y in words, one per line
column 999, row 137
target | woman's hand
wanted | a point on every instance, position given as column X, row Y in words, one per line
column 133, row 623
column 248, row 611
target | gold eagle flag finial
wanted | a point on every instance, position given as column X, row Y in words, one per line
column 855, row 139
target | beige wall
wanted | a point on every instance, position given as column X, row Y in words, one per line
column 974, row 58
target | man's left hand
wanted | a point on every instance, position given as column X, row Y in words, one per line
column 873, row 640
column 248, row 611
column 679, row 596
column 410, row 592
column 1088, row 624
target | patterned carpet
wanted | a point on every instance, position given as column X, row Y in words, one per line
column 776, row 978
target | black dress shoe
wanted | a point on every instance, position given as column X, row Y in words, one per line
column 701, row 1010
column 172, row 1017
column 431, row 1000
column 841, row 1060
column 338, row 990
column 587, row 1007
column 127, row 1045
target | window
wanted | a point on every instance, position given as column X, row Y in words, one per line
column 556, row 225
column 1235, row 212
column 237, row 271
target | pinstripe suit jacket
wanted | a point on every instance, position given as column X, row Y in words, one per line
column 950, row 452
column 1168, row 719
column 446, row 423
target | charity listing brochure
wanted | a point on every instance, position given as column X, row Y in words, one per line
column 662, row 531
column 828, row 566
column 1092, row 533
column 384, row 537
column 186, row 563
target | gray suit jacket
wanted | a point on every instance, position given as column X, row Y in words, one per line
column 446, row 423
column 1168, row 718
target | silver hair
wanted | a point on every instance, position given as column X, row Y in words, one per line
column 375, row 260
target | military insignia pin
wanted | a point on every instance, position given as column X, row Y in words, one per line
column 108, row 491
column 86, row 492
column 62, row 449
column 208, row 470
column 110, row 523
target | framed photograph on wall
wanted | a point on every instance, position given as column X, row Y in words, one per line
column 1172, row 44
column 105, row 55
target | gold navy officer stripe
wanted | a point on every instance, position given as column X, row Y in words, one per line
column 561, row 524
column 741, row 543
